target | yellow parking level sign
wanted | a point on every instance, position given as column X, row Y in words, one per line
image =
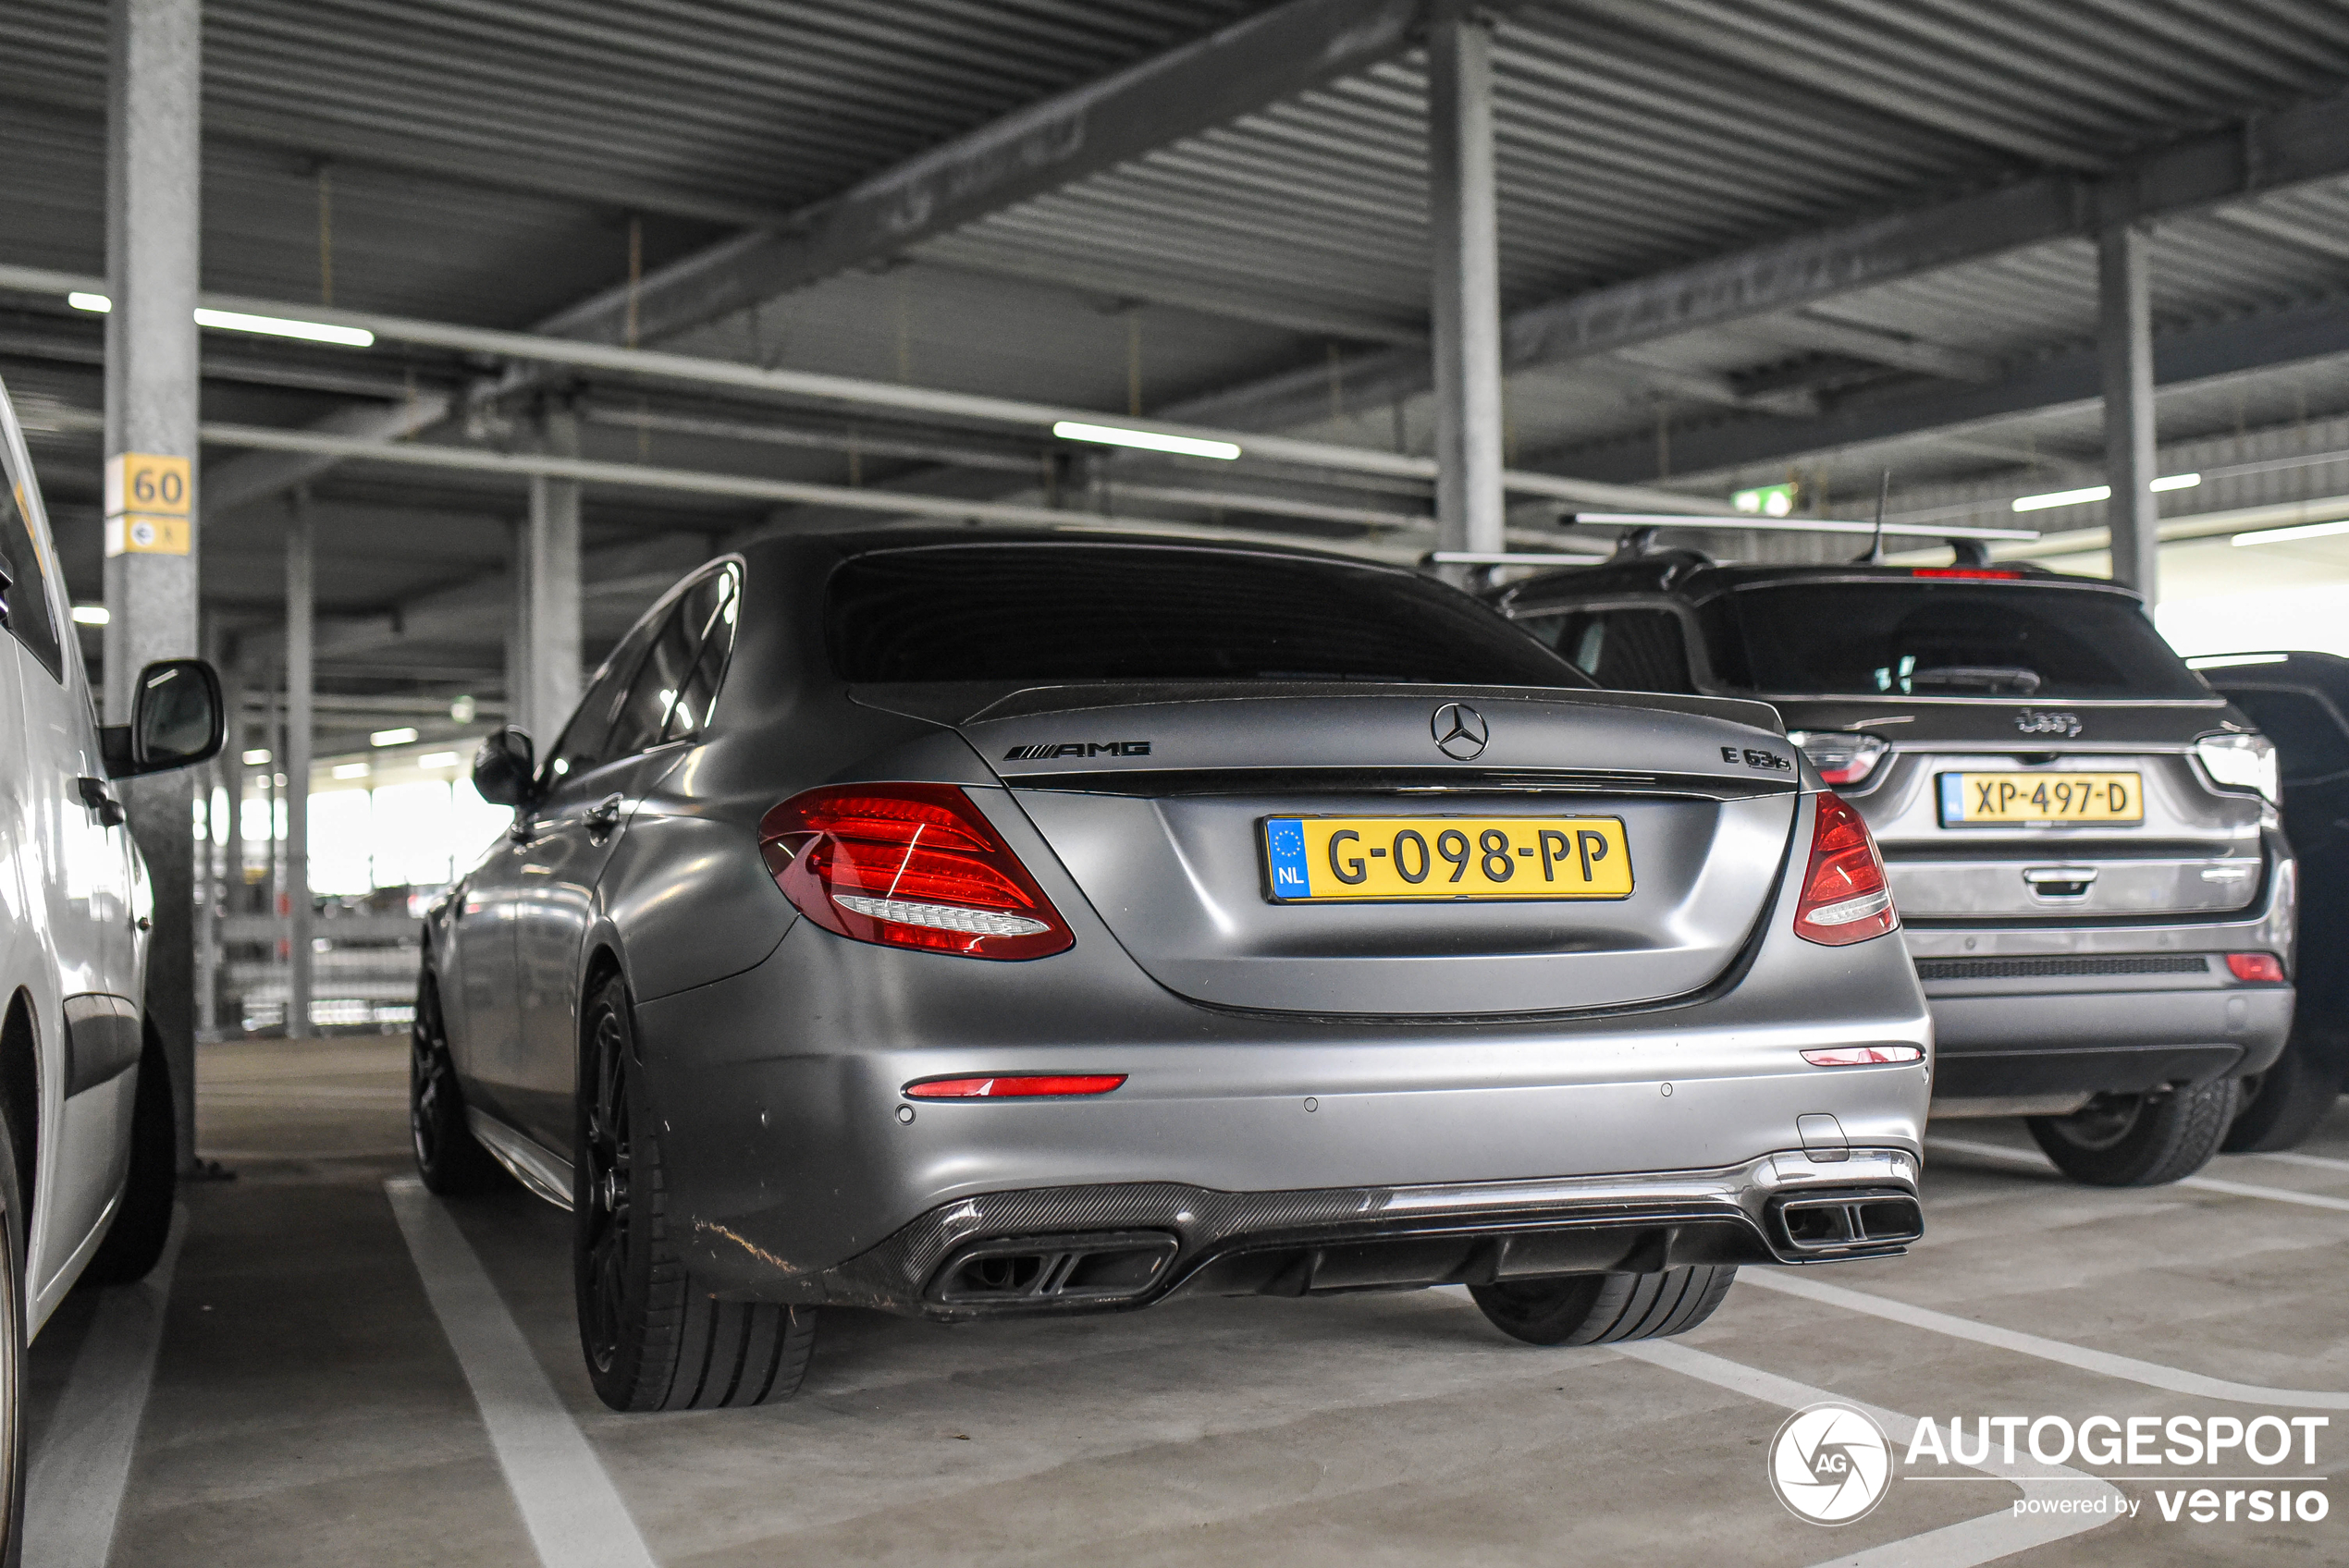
column 148, row 501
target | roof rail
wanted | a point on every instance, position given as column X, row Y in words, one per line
column 1793, row 525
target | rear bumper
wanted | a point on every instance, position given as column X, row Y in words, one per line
column 1112, row 1248
column 2112, row 1041
column 790, row 1150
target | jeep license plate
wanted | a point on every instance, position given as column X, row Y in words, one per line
column 1990, row 799
column 1323, row 859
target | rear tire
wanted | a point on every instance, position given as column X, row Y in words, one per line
column 142, row 1224
column 2290, row 1097
column 1598, row 1309
column 2139, row 1140
column 449, row 1157
column 653, row 1339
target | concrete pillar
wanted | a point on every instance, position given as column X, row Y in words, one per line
column 1469, row 503
column 518, row 681
column 211, row 857
column 154, row 100
column 302, row 615
column 2124, row 342
column 553, row 630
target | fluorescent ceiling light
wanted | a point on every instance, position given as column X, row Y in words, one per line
column 2063, row 498
column 1148, row 440
column 237, row 320
column 400, row 737
column 2229, row 661
column 91, row 615
column 255, row 758
column 278, row 326
column 2087, row 493
column 437, row 759
column 2299, row 531
column 352, row 770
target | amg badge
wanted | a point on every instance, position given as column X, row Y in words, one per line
column 1079, row 749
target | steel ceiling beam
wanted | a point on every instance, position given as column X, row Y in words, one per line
column 1042, row 147
column 2270, row 151
column 2179, row 357
column 919, row 402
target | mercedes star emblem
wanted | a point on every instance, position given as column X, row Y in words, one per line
column 1459, row 731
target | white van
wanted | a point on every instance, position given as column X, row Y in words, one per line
column 87, row 1137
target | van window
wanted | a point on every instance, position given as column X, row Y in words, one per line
column 28, row 594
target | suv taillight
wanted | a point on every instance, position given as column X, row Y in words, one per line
column 1842, row 756
column 1844, row 895
column 909, row 865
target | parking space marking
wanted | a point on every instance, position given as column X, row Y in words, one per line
column 576, row 1516
column 2204, row 1183
column 2319, row 1161
column 1984, row 1538
column 2152, row 1374
column 73, row 1493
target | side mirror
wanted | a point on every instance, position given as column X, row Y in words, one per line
column 505, row 772
column 178, row 718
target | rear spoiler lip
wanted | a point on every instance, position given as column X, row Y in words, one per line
column 1031, row 701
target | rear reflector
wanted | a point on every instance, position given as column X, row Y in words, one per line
column 2255, row 966
column 1844, row 895
column 1013, row 1086
column 1862, row 1056
column 909, row 865
column 1990, row 572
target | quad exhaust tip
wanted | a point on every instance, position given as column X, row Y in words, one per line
column 1841, row 1221
column 1045, row 1270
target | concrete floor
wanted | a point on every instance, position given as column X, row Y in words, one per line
column 307, row 1406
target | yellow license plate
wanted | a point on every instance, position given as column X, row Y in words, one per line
column 1976, row 799
column 1316, row 859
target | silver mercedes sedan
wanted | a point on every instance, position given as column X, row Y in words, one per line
column 972, row 925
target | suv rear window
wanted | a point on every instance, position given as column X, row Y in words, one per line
column 1053, row 612
column 1926, row 639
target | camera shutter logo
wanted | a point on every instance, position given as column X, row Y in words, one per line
column 1459, row 731
column 1830, row 1464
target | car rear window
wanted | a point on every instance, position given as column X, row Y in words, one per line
column 1948, row 639
column 1053, row 612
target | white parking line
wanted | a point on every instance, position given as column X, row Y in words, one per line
column 575, row 1517
column 2319, row 1161
column 2152, row 1374
column 73, row 1494
column 2038, row 1161
column 1984, row 1538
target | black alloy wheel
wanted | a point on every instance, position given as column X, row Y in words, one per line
column 1597, row 1309
column 449, row 1157
column 2139, row 1140
column 652, row 1337
column 606, row 1170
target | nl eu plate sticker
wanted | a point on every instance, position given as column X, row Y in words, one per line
column 1285, row 847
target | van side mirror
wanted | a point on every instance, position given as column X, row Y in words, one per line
column 178, row 718
column 505, row 771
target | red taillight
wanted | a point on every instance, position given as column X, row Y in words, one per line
column 2255, row 966
column 1844, row 898
column 1862, row 1056
column 1990, row 572
column 909, row 865
column 1013, row 1086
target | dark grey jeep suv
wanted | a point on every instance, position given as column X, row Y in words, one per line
column 2082, row 836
